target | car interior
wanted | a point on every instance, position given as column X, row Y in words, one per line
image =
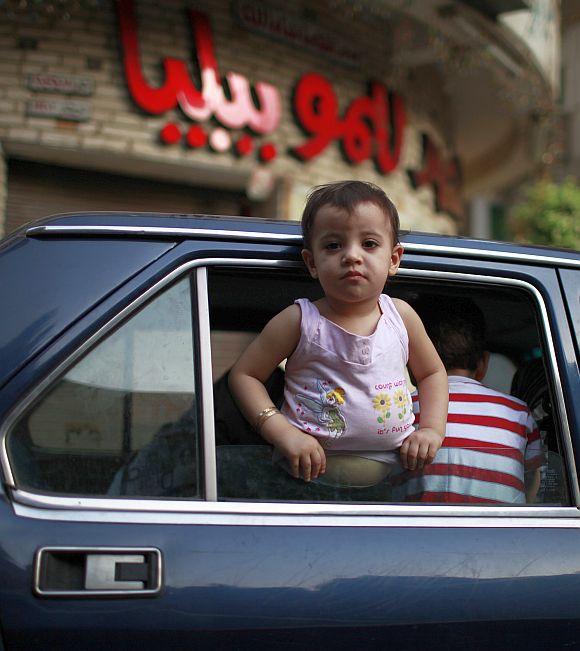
column 517, row 366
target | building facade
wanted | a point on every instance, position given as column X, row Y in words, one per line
column 569, row 165
column 239, row 107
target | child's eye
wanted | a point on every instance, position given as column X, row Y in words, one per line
column 332, row 246
column 370, row 244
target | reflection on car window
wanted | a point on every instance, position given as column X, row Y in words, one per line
column 503, row 444
column 122, row 421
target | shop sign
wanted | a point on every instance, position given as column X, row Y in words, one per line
column 443, row 175
column 234, row 112
column 371, row 128
column 64, row 84
column 64, row 109
column 260, row 17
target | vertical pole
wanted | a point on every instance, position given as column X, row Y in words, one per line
column 480, row 217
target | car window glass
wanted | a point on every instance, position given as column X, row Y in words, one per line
column 504, row 447
column 122, row 420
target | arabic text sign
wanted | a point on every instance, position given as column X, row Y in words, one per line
column 258, row 16
column 236, row 112
column 65, row 84
column 371, row 128
column 64, row 109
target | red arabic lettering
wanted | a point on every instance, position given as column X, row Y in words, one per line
column 316, row 107
column 372, row 126
column 178, row 88
column 445, row 176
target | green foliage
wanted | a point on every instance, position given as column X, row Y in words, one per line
column 549, row 214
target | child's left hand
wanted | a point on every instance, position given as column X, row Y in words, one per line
column 420, row 448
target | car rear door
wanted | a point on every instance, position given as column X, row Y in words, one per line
column 113, row 531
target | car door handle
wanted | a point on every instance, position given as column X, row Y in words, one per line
column 116, row 572
column 97, row 572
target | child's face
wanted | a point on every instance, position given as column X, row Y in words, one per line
column 352, row 255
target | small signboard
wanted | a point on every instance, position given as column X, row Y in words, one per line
column 65, row 84
column 282, row 25
column 64, row 109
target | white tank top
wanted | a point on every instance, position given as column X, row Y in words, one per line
column 349, row 391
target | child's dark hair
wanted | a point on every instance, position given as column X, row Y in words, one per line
column 456, row 327
column 347, row 195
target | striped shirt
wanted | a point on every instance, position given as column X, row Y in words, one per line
column 491, row 440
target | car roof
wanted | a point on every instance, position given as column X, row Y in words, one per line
column 172, row 225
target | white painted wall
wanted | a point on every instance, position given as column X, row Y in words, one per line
column 539, row 28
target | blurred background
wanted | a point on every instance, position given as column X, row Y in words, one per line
column 467, row 112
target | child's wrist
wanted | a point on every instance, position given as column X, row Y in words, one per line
column 440, row 431
column 274, row 430
column 263, row 416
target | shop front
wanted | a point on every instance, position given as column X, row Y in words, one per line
column 240, row 107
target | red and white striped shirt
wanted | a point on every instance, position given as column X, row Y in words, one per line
column 491, row 440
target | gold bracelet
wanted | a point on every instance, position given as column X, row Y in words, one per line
column 263, row 416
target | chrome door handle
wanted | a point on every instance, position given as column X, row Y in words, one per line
column 97, row 572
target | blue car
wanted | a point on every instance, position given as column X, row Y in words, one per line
column 139, row 510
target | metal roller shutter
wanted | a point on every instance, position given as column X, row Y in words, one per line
column 36, row 190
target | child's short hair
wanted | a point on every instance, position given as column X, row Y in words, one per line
column 347, row 195
column 456, row 327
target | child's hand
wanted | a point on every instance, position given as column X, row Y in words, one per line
column 305, row 455
column 420, row 448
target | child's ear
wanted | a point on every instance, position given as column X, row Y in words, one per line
column 396, row 255
column 309, row 262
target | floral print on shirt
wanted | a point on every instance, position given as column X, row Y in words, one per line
column 382, row 403
column 401, row 402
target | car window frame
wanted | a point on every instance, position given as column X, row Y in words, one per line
column 40, row 389
column 97, row 508
column 570, row 279
column 546, row 336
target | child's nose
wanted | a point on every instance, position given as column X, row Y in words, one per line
column 351, row 253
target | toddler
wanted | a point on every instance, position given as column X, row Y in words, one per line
column 347, row 408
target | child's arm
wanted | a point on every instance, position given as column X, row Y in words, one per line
column 420, row 447
column 276, row 342
column 532, row 479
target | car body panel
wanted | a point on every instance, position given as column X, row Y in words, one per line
column 249, row 575
column 265, row 579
